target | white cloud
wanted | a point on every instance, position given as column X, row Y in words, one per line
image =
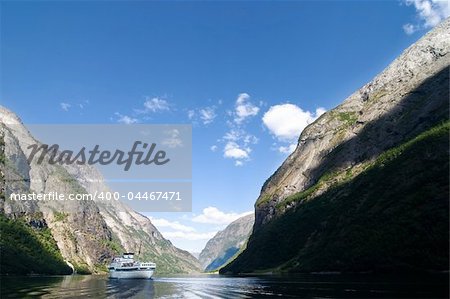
column 213, row 148
column 237, row 141
column 83, row 104
column 65, row 106
column 287, row 149
column 207, row 115
column 287, row 121
column 173, row 140
column 409, row 28
column 150, row 105
column 429, row 12
column 191, row 114
column 320, row 111
column 154, row 105
column 213, row 215
column 240, row 135
column 179, row 231
column 160, row 222
column 204, row 115
column 192, row 236
column 249, row 139
column 234, row 151
column 244, row 108
column 125, row 119
column 232, row 135
column 237, row 145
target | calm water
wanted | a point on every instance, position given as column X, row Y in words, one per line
column 215, row 286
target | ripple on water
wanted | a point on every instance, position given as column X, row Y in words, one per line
column 216, row 286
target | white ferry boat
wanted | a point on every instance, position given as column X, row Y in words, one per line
column 127, row 267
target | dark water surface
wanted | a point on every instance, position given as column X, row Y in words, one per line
column 216, row 286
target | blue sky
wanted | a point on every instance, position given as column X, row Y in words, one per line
column 248, row 76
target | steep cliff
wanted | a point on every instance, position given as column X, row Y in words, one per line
column 367, row 186
column 226, row 243
column 86, row 233
column 79, row 230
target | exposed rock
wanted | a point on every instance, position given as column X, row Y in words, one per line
column 87, row 233
column 226, row 243
column 348, row 136
column 367, row 187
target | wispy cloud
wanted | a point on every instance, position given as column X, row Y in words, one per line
column 175, row 225
column 191, row 114
column 73, row 105
column 174, row 139
column 65, row 106
column 176, row 230
column 244, row 108
column 429, row 14
column 237, row 142
column 125, row 119
column 213, row 215
column 150, row 105
column 286, row 121
column 205, row 115
column 409, row 28
column 192, row 236
column 155, row 105
column 287, row 149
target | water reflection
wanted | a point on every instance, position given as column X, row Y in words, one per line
column 215, row 286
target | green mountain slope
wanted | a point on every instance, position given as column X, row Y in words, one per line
column 366, row 188
column 24, row 249
column 87, row 234
column 392, row 216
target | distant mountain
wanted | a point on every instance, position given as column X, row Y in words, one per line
column 367, row 187
column 226, row 243
column 47, row 236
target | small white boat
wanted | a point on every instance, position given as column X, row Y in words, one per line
column 127, row 267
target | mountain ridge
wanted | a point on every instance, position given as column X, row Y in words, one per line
column 426, row 57
column 111, row 228
column 226, row 243
column 407, row 99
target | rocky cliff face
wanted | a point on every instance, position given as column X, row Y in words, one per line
column 393, row 107
column 78, row 228
column 367, row 186
column 226, row 243
column 87, row 233
column 135, row 231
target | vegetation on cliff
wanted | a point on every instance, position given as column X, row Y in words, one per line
column 392, row 216
column 26, row 250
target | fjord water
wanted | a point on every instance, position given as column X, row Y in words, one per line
column 216, row 286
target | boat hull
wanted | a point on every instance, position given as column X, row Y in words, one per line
column 134, row 274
